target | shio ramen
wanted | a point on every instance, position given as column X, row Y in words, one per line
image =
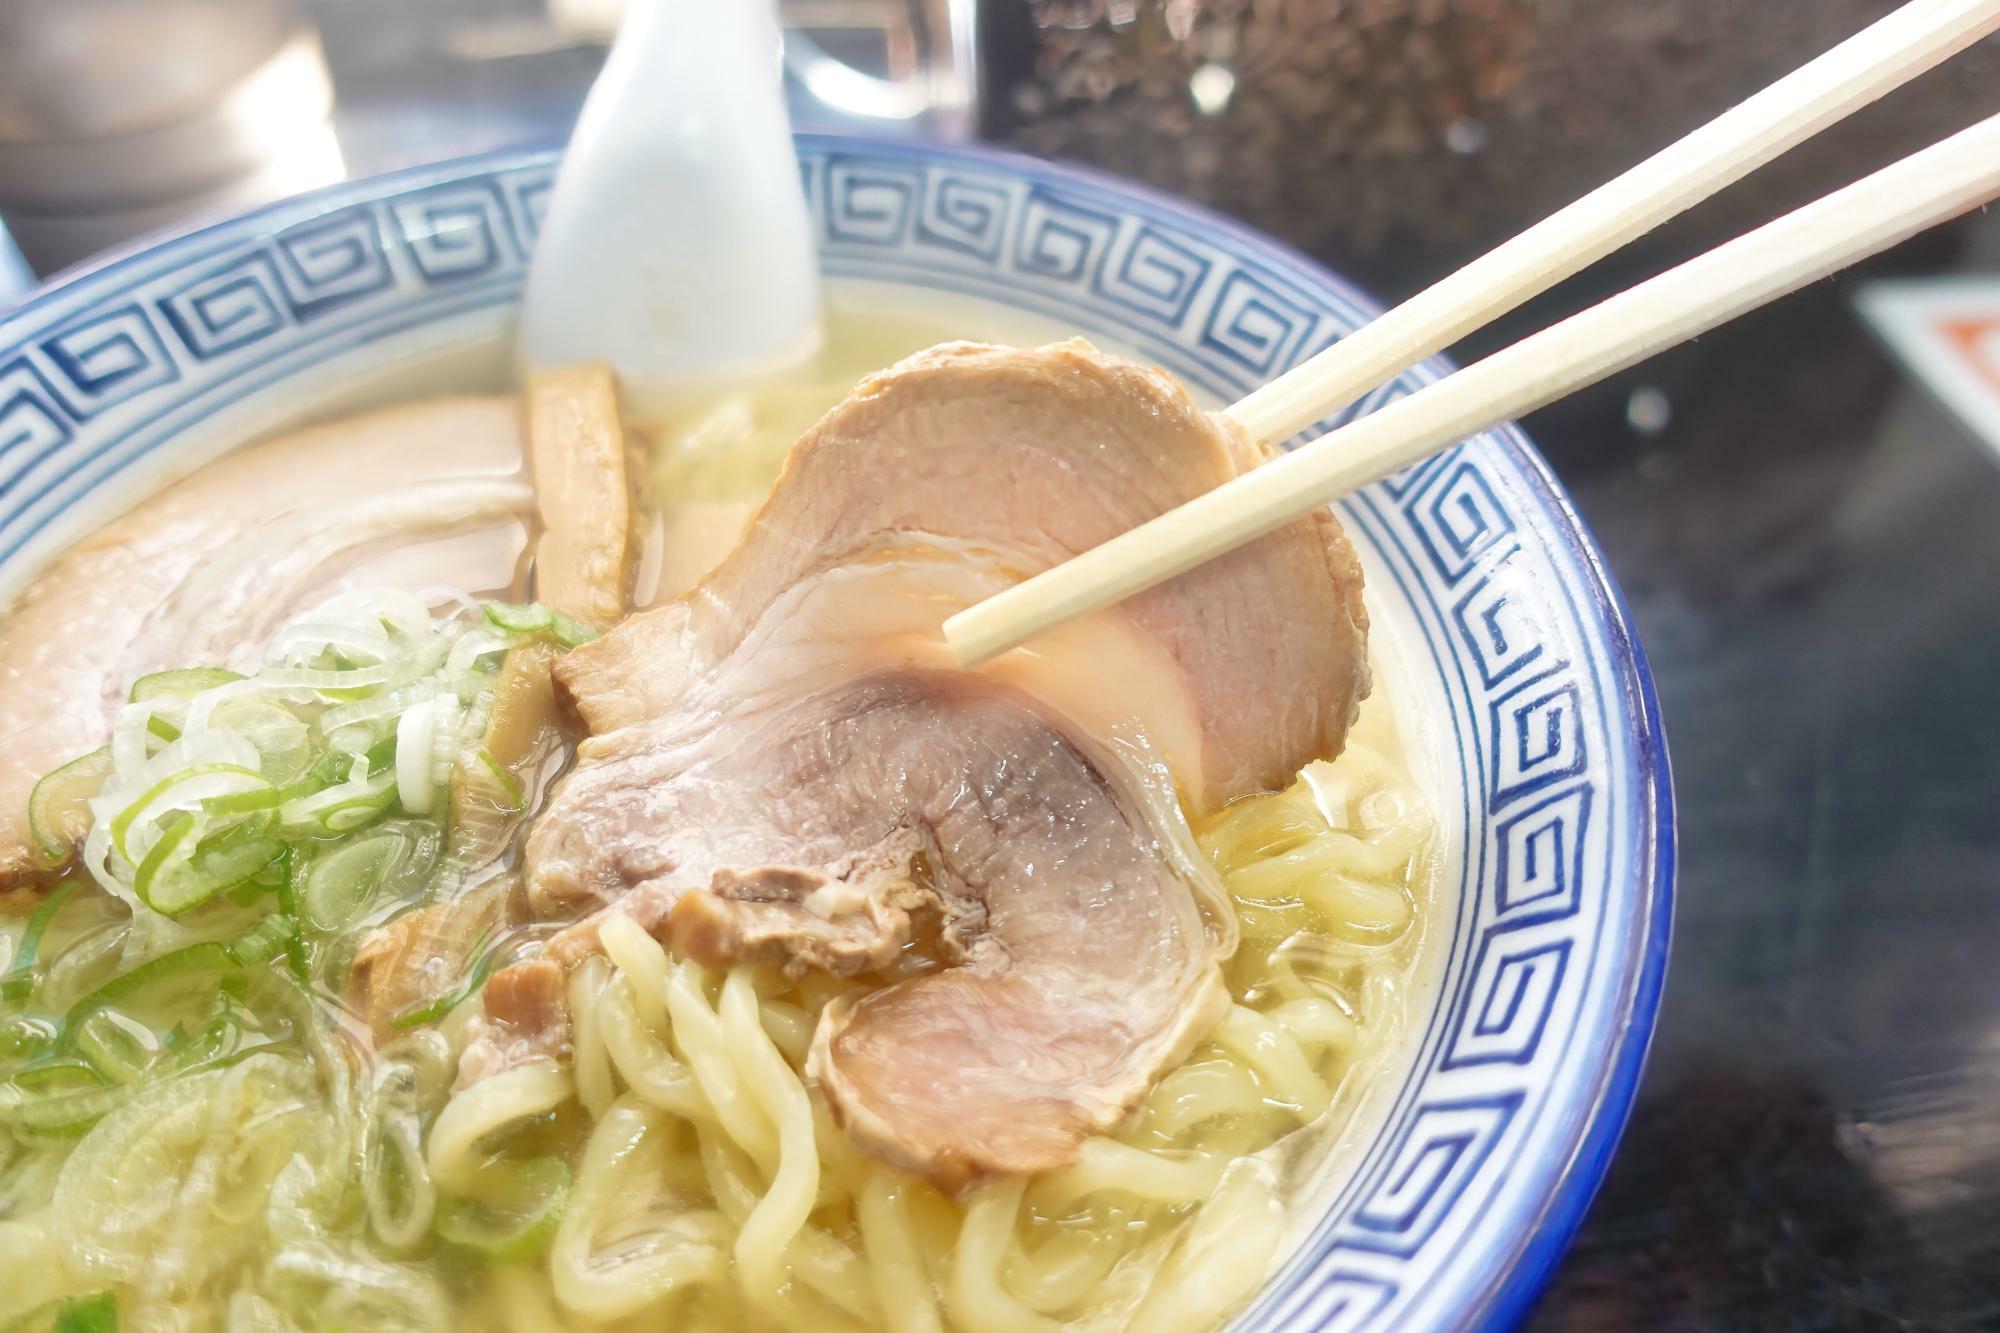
column 521, row 861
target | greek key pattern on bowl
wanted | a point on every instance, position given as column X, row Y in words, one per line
column 1455, row 521
column 1542, row 976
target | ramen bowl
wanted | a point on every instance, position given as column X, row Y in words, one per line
column 1468, row 1163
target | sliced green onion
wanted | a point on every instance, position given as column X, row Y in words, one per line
column 19, row 982
column 64, row 1075
column 273, row 877
column 84, row 963
column 416, row 740
column 478, row 651
column 569, row 631
column 153, row 868
column 118, row 1048
column 179, row 684
column 347, row 640
column 296, row 956
column 342, row 808
column 197, row 962
column 24, row 1037
column 536, row 618
column 70, row 1314
column 395, row 1180
column 250, row 802
column 262, row 940
column 188, row 784
column 248, row 892
column 520, row 617
column 282, row 739
column 213, row 780
column 59, row 806
column 180, row 873
column 515, row 1222
column 395, row 860
column 62, row 1097
column 237, row 856
column 216, row 1039
column 209, row 963
column 89, row 1314
column 384, row 706
column 517, row 800
column 381, row 756
column 62, row 1114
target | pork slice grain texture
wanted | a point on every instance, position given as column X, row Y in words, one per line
column 780, row 771
column 1019, row 459
column 1076, row 955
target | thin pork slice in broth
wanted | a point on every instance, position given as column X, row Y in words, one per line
column 204, row 571
column 1063, row 909
column 783, row 768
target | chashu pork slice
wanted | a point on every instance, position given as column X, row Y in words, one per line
column 780, row 770
column 1004, row 461
column 406, row 497
column 1074, row 929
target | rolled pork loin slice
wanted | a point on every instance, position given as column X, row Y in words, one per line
column 782, row 770
column 201, row 573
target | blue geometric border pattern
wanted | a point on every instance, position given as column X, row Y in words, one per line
column 1538, row 872
column 1490, row 1143
column 34, row 422
column 1430, row 1167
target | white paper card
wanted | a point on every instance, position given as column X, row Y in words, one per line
column 1947, row 332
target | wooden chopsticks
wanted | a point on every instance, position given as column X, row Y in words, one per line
column 1927, row 188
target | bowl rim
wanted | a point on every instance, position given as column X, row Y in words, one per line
column 1527, row 1272
column 1535, row 1262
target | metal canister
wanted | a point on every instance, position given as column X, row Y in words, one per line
column 120, row 116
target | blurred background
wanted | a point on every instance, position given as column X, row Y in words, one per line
column 1810, row 539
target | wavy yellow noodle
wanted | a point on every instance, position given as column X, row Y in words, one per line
column 713, row 1188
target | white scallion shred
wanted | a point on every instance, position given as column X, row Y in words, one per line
column 416, row 733
column 475, row 644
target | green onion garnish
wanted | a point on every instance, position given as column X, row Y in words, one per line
column 19, row 983
column 261, row 941
column 183, row 684
column 517, row 1218
column 535, row 618
column 517, row 800
column 58, row 807
column 89, row 1314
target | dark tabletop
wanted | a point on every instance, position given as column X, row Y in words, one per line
column 1812, row 551
column 1811, row 548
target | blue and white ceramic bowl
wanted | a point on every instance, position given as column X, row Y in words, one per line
column 1482, row 1149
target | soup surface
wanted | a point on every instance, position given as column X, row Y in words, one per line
column 274, row 987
